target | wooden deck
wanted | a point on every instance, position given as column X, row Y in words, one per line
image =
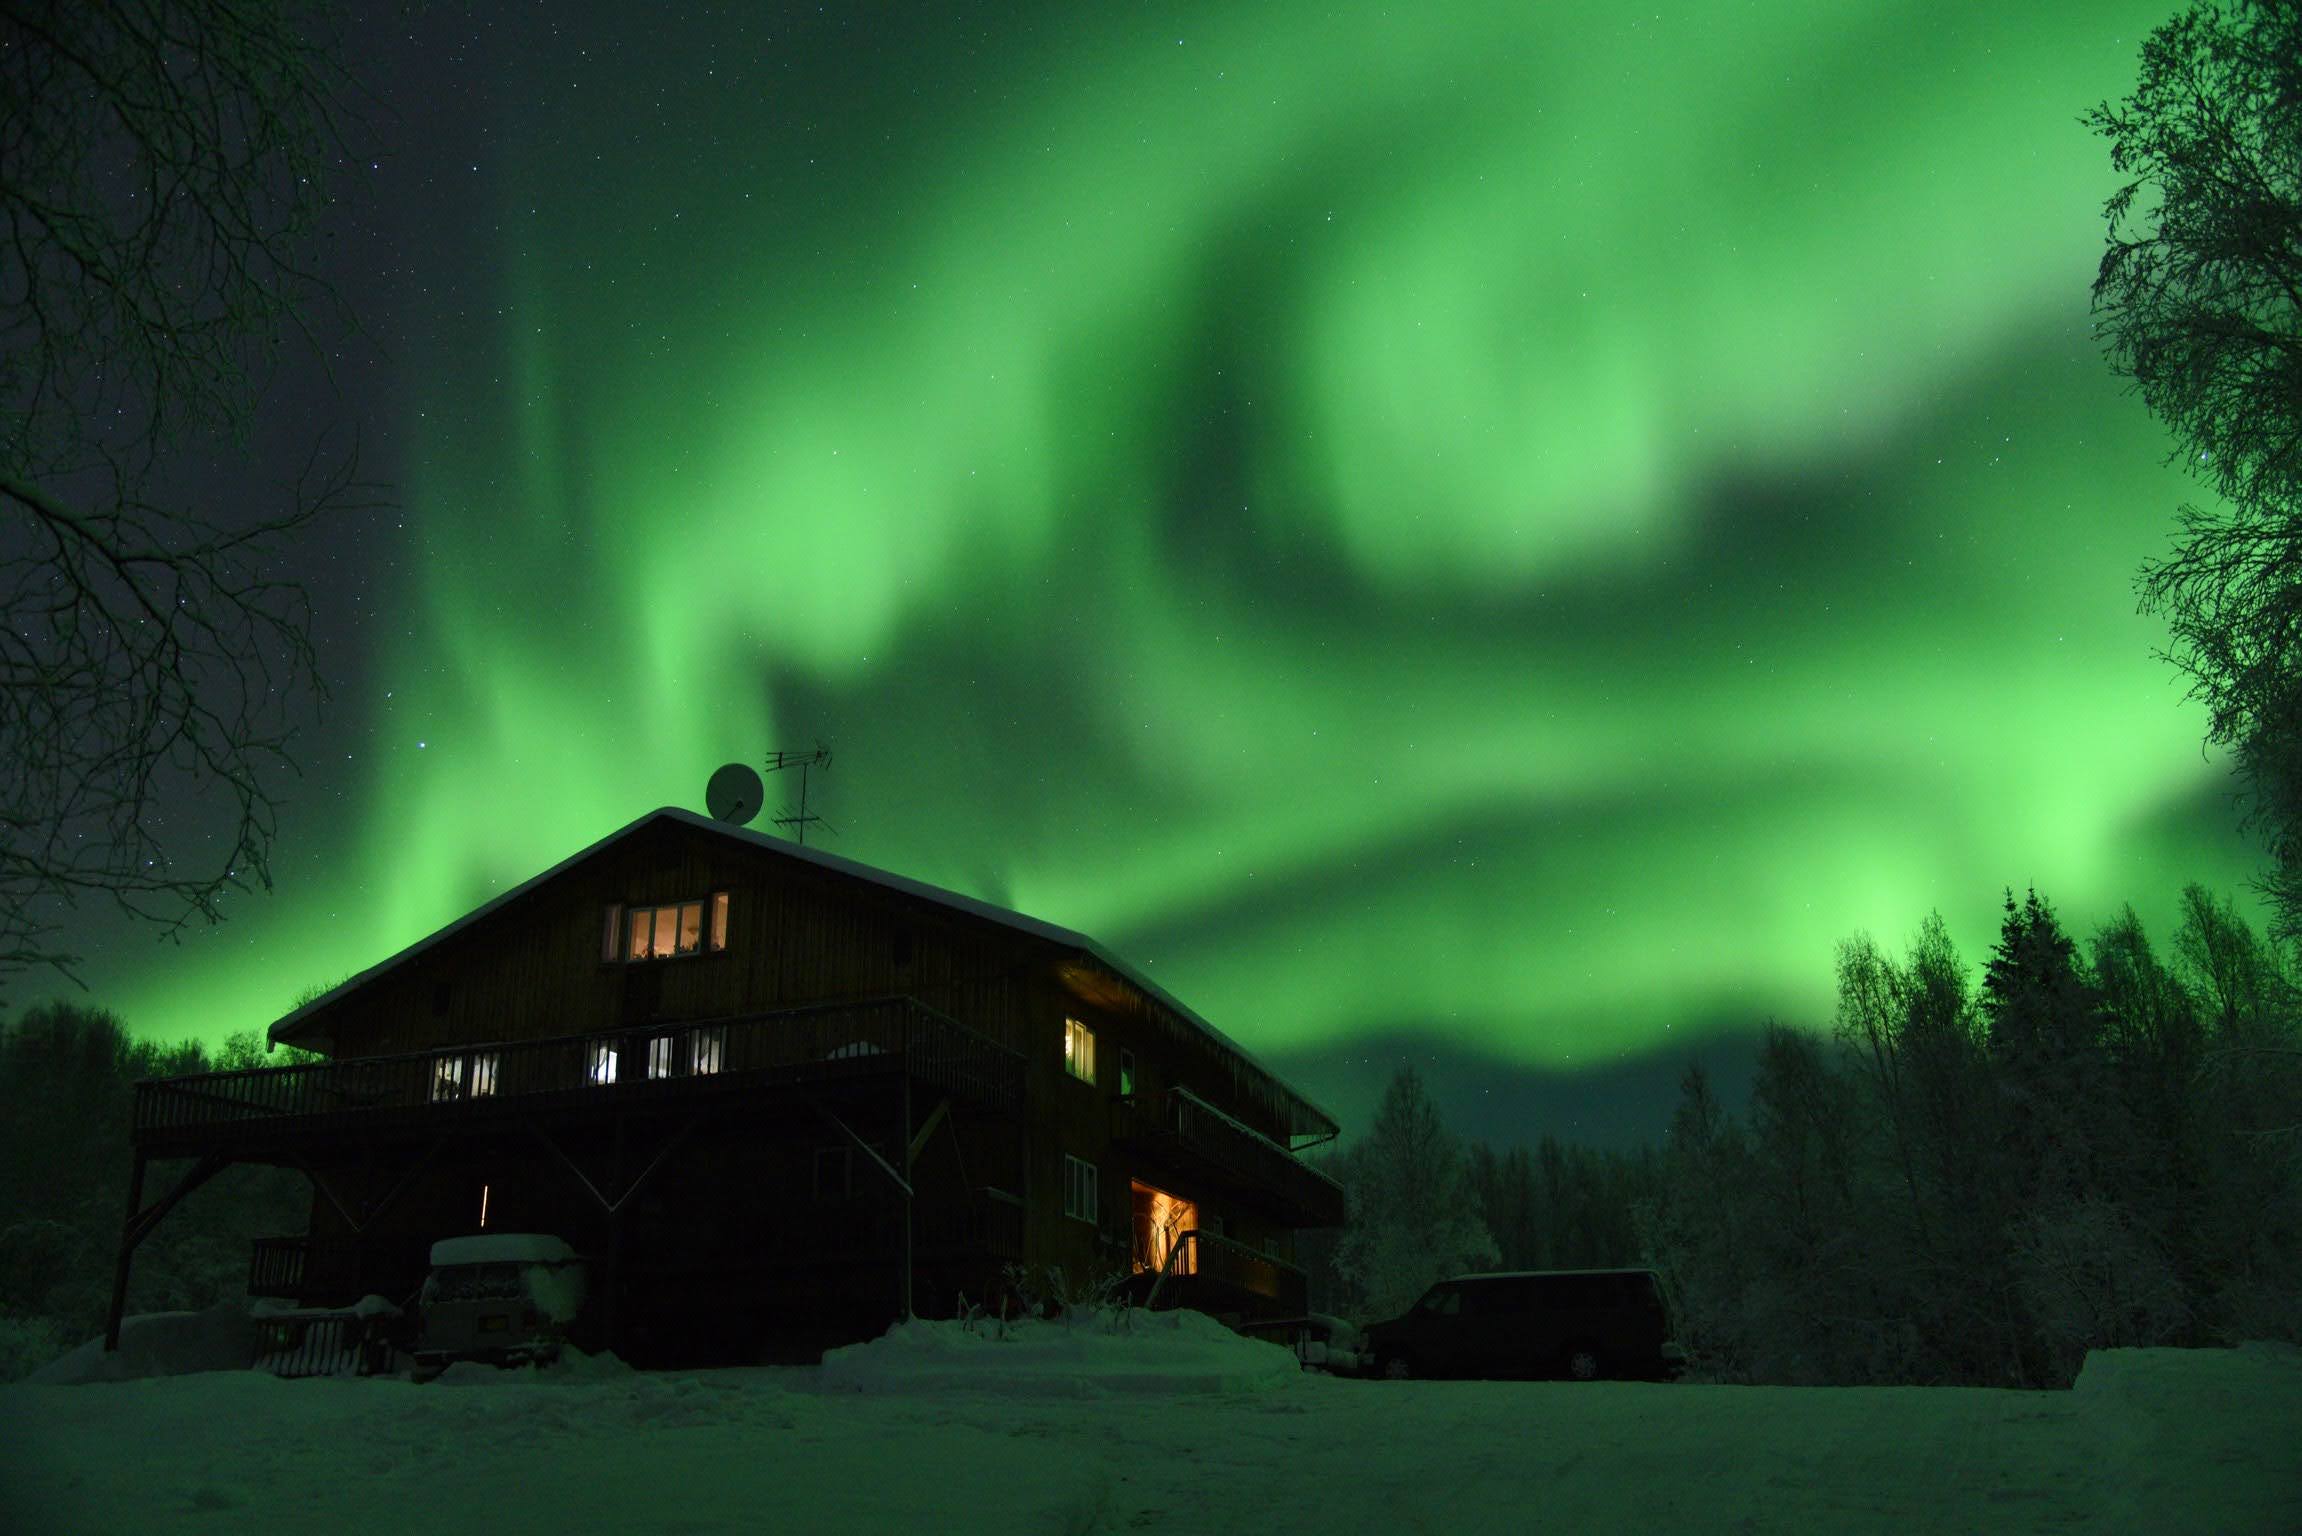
column 660, row 1067
column 1184, row 1131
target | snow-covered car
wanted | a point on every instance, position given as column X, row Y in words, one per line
column 1322, row 1343
column 507, row 1298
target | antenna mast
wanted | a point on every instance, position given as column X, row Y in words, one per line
column 819, row 758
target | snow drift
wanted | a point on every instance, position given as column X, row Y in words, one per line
column 1083, row 1353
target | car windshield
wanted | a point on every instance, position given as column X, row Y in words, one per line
column 477, row 1282
column 1440, row 1300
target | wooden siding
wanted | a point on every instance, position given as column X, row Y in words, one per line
column 796, row 934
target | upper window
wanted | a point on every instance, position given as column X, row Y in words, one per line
column 1126, row 1073
column 1079, row 1050
column 663, row 932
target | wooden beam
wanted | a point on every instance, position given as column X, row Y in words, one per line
column 868, row 1149
column 141, row 1224
column 671, row 1145
column 935, row 1117
column 569, row 1163
column 329, row 1194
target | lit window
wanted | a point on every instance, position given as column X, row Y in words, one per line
column 1126, row 1073
column 659, row 1055
column 710, row 1049
column 1080, row 1189
column 658, row 933
column 483, row 1076
column 1079, row 1050
column 603, row 1061
column 448, row 1078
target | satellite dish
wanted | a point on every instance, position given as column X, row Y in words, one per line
column 734, row 794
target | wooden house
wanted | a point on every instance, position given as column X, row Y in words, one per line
column 777, row 1098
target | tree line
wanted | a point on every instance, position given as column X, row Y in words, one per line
column 1968, row 1180
column 67, row 1091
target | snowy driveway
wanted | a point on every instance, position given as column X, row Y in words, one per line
column 2157, row 1442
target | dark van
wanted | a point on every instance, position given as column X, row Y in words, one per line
column 1578, row 1323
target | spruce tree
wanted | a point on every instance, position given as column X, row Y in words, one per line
column 1414, row 1214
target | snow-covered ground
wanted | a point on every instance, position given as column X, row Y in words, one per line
column 1173, row 1426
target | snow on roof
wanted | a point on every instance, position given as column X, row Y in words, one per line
column 502, row 1248
column 286, row 1028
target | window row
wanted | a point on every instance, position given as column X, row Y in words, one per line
column 692, row 1053
column 667, row 931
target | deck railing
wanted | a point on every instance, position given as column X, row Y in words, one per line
column 620, row 1066
column 1203, row 1261
column 1178, row 1122
column 338, row 1342
column 276, row 1266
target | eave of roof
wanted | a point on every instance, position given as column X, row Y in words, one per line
column 285, row 1028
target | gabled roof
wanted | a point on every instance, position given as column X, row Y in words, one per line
column 1319, row 1121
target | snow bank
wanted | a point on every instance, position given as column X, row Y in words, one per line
column 1083, row 1355
column 572, row 1368
column 2156, row 1417
column 223, row 1338
column 2159, row 1443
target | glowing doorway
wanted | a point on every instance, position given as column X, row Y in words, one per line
column 1160, row 1219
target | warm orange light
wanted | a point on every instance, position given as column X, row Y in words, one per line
column 1160, row 1220
column 483, row 1205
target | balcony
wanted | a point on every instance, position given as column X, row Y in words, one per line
column 1219, row 1275
column 1185, row 1132
column 662, row 1066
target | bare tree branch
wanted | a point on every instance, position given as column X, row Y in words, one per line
column 162, row 165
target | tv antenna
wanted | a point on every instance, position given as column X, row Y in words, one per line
column 777, row 762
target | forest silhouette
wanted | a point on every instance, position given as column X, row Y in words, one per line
column 1965, row 1182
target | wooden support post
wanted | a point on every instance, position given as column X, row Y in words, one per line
column 128, row 1239
column 910, row 1150
column 611, row 1289
column 611, row 1300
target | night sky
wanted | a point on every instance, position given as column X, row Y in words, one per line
column 1492, row 535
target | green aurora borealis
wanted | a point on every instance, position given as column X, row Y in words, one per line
column 1512, row 523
